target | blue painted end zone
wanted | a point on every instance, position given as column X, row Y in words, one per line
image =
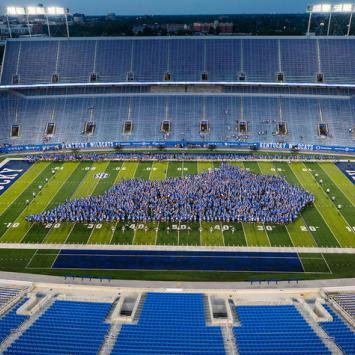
column 11, row 171
column 348, row 170
column 178, row 261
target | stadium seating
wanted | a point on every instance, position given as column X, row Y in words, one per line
column 66, row 327
column 170, row 324
column 233, row 61
column 7, row 294
column 10, row 321
column 345, row 301
column 300, row 59
column 303, row 66
column 302, row 115
column 277, row 329
column 340, row 332
column 337, row 70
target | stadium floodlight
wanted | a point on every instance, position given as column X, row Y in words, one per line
column 38, row 11
column 56, row 11
column 15, row 11
column 35, row 10
column 59, row 11
column 343, row 8
column 322, row 8
column 317, row 8
column 348, row 7
column 329, row 8
column 326, row 8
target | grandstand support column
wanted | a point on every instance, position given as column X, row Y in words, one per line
column 28, row 26
column 309, row 23
column 9, row 27
column 350, row 23
column 66, row 23
column 49, row 29
column 329, row 23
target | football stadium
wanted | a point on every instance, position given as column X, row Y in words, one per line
column 177, row 194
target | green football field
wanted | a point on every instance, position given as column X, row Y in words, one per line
column 323, row 225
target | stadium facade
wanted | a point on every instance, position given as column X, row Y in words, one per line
column 268, row 92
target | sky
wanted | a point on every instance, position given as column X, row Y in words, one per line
column 175, row 7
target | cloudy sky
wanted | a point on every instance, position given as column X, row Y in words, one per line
column 148, row 7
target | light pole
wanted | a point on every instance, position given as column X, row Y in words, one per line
column 329, row 22
column 350, row 22
column 8, row 25
column 331, row 9
column 309, row 23
column 59, row 11
column 13, row 11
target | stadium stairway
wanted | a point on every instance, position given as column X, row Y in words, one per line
column 110, row 339
column 230, row 344
column 331, row 345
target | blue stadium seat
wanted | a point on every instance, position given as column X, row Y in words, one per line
column 170, row 324
column 66, row 327
column 143, row 60
column 275, row 330
column 10, row 321
column 185, row 112
column 260, row 59
column 342, row 333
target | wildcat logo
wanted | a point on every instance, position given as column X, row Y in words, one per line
column 348, row 170
column 8, row 176
column 351, row 174
column 10, row 171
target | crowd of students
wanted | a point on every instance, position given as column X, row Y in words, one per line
column 225, row 194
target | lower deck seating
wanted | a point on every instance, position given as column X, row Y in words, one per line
column 345, row 301
column 25, row 120
column 341, row 332
column 7, row 294
column 10, row 321
column 170, row 324
column 66, row 327
column 275, row 330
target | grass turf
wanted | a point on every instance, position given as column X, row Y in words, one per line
column 322, row 225
column 317, row 266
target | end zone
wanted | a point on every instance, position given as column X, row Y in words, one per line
column 348, row 170
column 10, row 171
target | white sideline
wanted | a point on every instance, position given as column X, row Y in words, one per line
column 177, row 248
